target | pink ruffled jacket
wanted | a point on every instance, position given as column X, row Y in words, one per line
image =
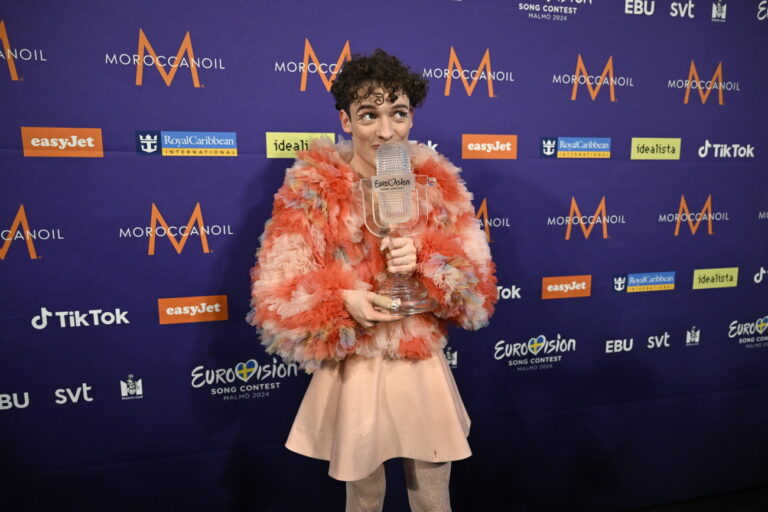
column 316, row 245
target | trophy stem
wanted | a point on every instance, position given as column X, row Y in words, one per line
column 413, row 296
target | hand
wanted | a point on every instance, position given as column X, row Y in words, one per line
column 361, row 306
column 401, row 255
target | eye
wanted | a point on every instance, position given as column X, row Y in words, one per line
column 402, row 114
column 367, row 116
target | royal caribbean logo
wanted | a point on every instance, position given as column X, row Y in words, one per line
column 11, row 54
column 646, row 282
column 167, row 65
column 156, row 143
column 245, row 380
column 586, row 222
column 593, row 83
column 286, row 144
column 538, row 353
column 750, row 334
column 704, row 87
column 706, row 278
column 469, row 77
column 489, row 222
column 20, row 230
column 575, row 147
column 553, row 10
column 648, row 148
column 694, row 220
column 715, row 150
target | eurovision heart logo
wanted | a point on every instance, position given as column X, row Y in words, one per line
column 245, row 370
column 536, row 344
column 762, row 324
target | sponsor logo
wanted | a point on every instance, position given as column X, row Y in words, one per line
column 762, row 215
column 619, row 345
column 14, row 401
column 68, row 142
column 245, row 380
column 455, row 71
column 166, row 65
column 431, row 145
column 186, row 310
column 726, row 150
column 575, row 147
column 656, row 342
column 682, row 9
column 68, row 395
column 310, row 64
column 452, row 356
column 566, row 287
column 194, row 227
column 488, row 221
column 186, row 143
column 491, row 147
column 646, row 148
column 719, row 11
column 750, row 334
column 619, row 283
column 538, row 353
column 538, row 10
column 286, row 144
column 508, row 293
column 647, row 282
column 692, row 337
column 586, row 222
column 10, row 54
column 704, row 87
column 758, row 277
column 20, row 230
column 639, row 7
column 593, row 82
column 762, row 10
column 131, row 389
column 705, row 278
column 91, row 318
column 694, row 220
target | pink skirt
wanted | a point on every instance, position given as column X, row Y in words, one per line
column 358, row 413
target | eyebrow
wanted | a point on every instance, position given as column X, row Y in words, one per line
column 371, row 106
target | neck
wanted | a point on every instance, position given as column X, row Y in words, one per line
column 361, row 167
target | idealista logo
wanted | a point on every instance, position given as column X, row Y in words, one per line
column 286, row 144
column 539, row 10
column 726, row 150
column 647, row 148
column 586, row 222
column 166, row 65
column 704, row 87
column 195, row 227
column 10, row 54
column 91, row 318
column 185, row 310
column 538, row 353
column 706, row 278
column 575, row 147
column 490, row 222
column 245, row 380
column 68, row 142
column 488, row 147
column 593, row 82
column 156, row 143
column 646, row 282
column 20, row 230
column 455, row 71
column 694, row 220
column 566, row 287
column 131, row 389
column 310, row 64
column 750, row 334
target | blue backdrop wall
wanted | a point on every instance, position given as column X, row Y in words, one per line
column 623, row 184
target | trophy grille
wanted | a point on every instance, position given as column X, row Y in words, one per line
column 391, row 160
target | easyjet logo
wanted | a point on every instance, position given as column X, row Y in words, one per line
column 477, row 146
column 11, row 54
column 593, row 82
column 704, row 88
column 63, row 142
column 183, row 310
column 20, row 230
column 566, row 287
column 488, row 222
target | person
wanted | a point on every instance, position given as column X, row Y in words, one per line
column 381, row 387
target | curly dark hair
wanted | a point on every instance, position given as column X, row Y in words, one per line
column 361, row 76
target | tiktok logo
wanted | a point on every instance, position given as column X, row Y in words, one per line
column 759, row 275
column 78, row 319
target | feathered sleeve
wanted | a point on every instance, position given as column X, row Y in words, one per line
column 296, row 285
column 453, row 258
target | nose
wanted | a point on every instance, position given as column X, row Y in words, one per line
column 385, row 131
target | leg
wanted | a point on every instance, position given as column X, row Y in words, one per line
column 367, row 494
column 427, row 485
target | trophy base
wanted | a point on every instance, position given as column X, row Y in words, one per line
column 412, row 295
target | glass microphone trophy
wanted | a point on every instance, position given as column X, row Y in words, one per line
column 395, row 203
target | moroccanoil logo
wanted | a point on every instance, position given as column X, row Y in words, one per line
column 286, row 144
column 159, row 228
column 647, row 148
column 488, row 147
column 586, row 222
column 10, row 54
column 469, row 77
column 694, row 219
column 311, row 64
column 185, row 310
column 488, row 222
column 566, row 287
column 593, row 82
column 704, row 87
column 166, row 65
column 65, row 142
column 21, row 230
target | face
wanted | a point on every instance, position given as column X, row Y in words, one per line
column 373, row 121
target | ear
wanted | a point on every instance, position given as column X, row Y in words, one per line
column 346, row 123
